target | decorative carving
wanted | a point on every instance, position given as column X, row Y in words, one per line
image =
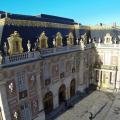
column 82, row 44
column 99, row 41
column 11, row 87
column 43, row 41
column 70, row 39
column 115, row 41
column 29, row 45
column 32, row 80
column 35, row 106
column 84, row 37
column 36, row 45
column 55, row 71
column 58, row 40
column 1, row 58
column 5, row 48
column 16, row 115
column 89, row 40
column 108, row 39
column 54, row 42
column 77, row 41
column 15, row 43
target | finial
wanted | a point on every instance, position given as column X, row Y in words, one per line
column 54, row 42
column 89, row 40
column 6, row 15
column 5, row 48
column 99, row 40
column 15, row 115
column 28, row 45
column 115, row 41
column 77, row 41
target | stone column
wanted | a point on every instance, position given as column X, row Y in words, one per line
column 67, row 93
column 55, row 100
column 41, row 115
column 3, row 102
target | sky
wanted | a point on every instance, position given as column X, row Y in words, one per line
column 86, row 12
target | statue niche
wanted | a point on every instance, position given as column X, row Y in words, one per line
column 15, row 43
column 43, row 41
column 70, row 39
column 58, row 40
column 108, row 39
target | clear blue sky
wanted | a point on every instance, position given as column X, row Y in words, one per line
column 82, row 11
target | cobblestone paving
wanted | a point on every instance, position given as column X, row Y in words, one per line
column 97, row 103
column 114, row 113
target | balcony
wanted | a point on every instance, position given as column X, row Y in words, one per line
column 60, row 50
column 19, row 58
column 37, row 55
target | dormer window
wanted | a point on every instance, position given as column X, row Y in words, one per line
column 108, row 39
column 43, row 40
column 15, row 43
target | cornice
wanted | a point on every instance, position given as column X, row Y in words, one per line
column 30, row 23
column 103, row 27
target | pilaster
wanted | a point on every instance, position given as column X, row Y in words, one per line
column 41, row 114
column 4, row 102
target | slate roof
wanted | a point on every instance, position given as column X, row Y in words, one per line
column 101, row 33
column 31, row 32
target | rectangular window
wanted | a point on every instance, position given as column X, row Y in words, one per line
column 21, row 81
column 110, row 77
column 25, row 111
column 21, row 84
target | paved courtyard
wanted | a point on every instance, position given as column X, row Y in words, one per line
column 102, row 106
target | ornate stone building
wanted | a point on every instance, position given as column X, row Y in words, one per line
column 46, row 60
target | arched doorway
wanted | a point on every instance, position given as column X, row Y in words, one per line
column 62, row 94
column 48, row 102
column 72, row 88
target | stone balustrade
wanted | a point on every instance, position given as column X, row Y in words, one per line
column 18, row 58
column 59, row 50
column 102, row 45
column 36, row 55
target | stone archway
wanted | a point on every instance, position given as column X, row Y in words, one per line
column 62, row 93
column 72, row 88
column 48, row 102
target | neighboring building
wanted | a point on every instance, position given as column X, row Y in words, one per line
column 46, row 60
